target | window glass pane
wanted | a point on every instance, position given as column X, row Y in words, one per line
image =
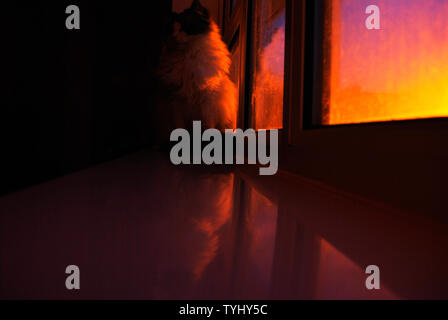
column 397, row 72
column 268, row 68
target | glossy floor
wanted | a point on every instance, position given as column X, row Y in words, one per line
column 139, row 228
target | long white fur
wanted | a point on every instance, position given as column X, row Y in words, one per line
column 198, row 66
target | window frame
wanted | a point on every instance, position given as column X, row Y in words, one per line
column 304, row 70
column 235, row 33
column 372, row 160
column 332, row 154
column 251, row 112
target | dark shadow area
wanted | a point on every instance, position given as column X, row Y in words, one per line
column 75, row 98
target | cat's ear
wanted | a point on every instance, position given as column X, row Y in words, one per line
column 196, row 5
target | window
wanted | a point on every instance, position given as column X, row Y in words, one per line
column 268, row 64
column 399, row 72
column 338, row 72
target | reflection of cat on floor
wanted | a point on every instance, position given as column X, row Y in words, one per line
column 208, row 216
column 204, row 202
column 193, row 76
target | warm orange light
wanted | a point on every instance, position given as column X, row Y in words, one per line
column 395, row 73
column 269, row 35
column 268, row 90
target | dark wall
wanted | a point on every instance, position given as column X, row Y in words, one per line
column 74, row 98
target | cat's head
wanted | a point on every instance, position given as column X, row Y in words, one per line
column 194, row 20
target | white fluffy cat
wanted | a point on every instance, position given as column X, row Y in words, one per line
column 193, row 76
